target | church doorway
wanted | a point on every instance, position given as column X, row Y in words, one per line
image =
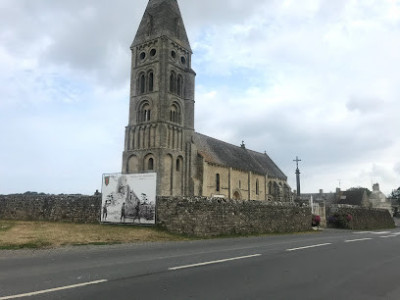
column 236, row 196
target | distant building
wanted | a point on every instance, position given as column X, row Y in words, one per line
column 321, row 196
column 379, row 200
column 355, row 197
column 160, row 136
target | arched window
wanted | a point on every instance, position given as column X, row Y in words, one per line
column 180, row 85
column 150, row 164
column 151, row 81
column 178, row 165
column 257, row 187
column 172, row 82
column 142, row 83
column 175, row 113
column 147, row 115
column 276, row 190
column 144, row 113
column 217, row 183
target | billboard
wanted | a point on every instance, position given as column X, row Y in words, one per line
column 129, row 198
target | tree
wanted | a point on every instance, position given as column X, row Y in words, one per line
column 395, row 196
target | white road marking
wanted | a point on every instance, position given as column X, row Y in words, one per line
column 357, row 240
column 387, row 236
column 211, row 262
column 74, row 286
column 307, row 247
column 372, row 232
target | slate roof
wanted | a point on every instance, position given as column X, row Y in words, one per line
column 327, row 197
column 228, row 155
column 352, row 197
column 162, row 18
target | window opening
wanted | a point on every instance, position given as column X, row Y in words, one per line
column 150, row 164
column 217, row 183
column 172, row 82
column 142, row 84
column 151, row 81
column 257, row 187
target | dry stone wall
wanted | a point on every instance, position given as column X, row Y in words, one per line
column 197, row 216
column 214, row 217
column 43, row 207
column 360, row 218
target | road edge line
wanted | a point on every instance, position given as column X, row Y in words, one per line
column 67, row 287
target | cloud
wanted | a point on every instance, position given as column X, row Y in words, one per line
column 318, row 79
column 397, row 168
column 364, row 105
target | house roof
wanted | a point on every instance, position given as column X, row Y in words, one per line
column 355, row 197
column 327, row 197
column 228, row 155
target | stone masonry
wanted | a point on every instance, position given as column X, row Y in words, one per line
column 43, row 207
column 199, row 216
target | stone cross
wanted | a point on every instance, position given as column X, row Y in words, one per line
column 297, row 160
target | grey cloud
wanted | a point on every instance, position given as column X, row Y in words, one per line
column 91, row 38
column 397, row 168
column 364, row 104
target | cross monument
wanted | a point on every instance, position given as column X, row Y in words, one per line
column 297, row 160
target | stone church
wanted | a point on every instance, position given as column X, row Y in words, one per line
column 160, row 136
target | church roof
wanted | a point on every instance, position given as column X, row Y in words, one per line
column 162, row 18
column 228, row 155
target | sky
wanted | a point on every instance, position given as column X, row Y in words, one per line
column 317, row 79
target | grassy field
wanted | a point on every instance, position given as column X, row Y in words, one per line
column 24, row 234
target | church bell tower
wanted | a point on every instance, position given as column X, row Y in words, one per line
column 161, row 114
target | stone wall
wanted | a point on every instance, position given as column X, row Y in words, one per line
column 213, row 217
column 197, row 216
column 42, row 207
column 361, row 218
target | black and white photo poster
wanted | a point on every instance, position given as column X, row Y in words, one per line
column 129, row 198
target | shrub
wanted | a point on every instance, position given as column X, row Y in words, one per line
column 316, row 220
column 340, row 220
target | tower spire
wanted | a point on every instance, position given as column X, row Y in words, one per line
column 162, row 18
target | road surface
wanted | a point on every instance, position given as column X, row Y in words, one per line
column 333, row 264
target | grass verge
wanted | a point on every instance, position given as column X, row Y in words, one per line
column 39, row 235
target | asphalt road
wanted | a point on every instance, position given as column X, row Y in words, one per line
column 327, row 265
